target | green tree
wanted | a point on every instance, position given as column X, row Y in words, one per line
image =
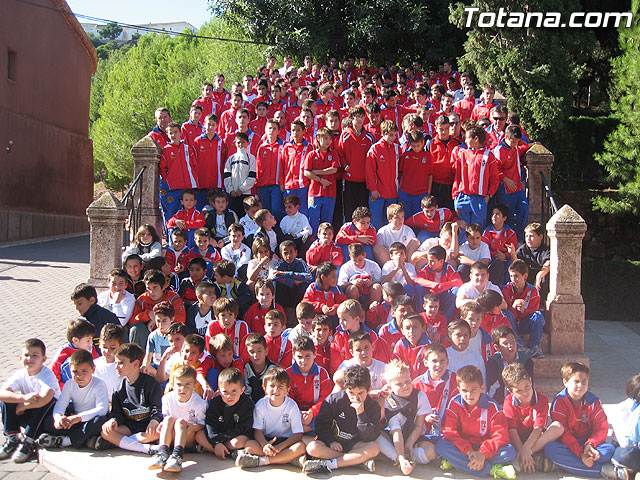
column 536, row 69
column 621, row 156
column 384, row 30
column 110, row 31
column 158, row 71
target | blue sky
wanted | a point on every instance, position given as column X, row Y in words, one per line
column 143, row 11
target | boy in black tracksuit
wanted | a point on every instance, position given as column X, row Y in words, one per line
column 347, row 423
column 229, row 420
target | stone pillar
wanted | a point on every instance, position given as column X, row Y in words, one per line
column 539, row 159
column 146, row 153
column 566, row 230
column 106, row 218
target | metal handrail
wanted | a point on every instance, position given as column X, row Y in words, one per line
column 549, row 205
column 134, row 212
column 134, row 184
column 548, row 193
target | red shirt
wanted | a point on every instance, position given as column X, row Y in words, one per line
column 279, row 350
column 379, row 315
column 509, row 165
column 355, row 148
column 476, row 172
column 254, row 143
column 493, row 137
column 323, row 357
column 228, row 123
column 318, row 253
column 324, row 107
column 174, row 259
column 254, row 317
column 525, row 419
column 179, row 166
column 220, row 98
column 498, row 241
column 491, row 321
column 292, row 165
column 382, row 167
column 318, row 297
column 279, row 106
column 208, row 105
column 411, row 355
column 482, row 109
column 437, row 324
column 482, row 427
column 259, row 125
column 442, row 162
column 439, row 393
column 144, row 305
column 415, row 168
column 464, row 108
column 349, row 234
column 420, row 220
column 395, row 114
column 340, row 347
column 309, row 390
column 584, row 421
column 237, row 333
column 191, row 131
column 192, row 218
column 158, row 136
column 529, row 294
column 438, row 282
column 317, row 160
column 268, row 166
column 211, row 154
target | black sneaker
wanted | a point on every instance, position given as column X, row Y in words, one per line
column 316, row 467
column 10, row 445
column 23, row 452
column 49, row 441
column 102, row 444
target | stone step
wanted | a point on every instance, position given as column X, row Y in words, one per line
column 550, row 387
column 544, row 342
column 549, row 366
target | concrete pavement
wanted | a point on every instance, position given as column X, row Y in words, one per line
column 36, row 281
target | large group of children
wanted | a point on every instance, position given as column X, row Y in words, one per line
column 260, row 334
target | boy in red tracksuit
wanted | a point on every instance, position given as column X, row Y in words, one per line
column 464, row 108
column 382, row 165
column 429, row 222
column 268, row 170
column 501, row 240
column 359, row 230
column 581, row 449
column 324, row 294
column 390, row 109
column 390, row 332
column 278, row 344
column 483, row 108
column 259, row 124
column 192, row 128
column 354, row 143
column 441, row 278
column 242, row 120
column 226, row 311
column 228, row 123
column 476, row 436
column 292, row 166
column 476, row 178
column 265, row 296
column 440, row 385
column 212, row 152
column 178, row 169
column 414, row 339
column 321, row 334
column 441, row 148
column 435, row 322
column 187, row 219
column 206, row 101
column 220, row 95
column 351, row 314
column 324, row 249
column 511, row 190
column 416, row 174
column 310, row 383
column 177, row 256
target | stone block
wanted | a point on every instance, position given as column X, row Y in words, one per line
column 58, row 225
column 49, row 226
column 13, row 227
column 26, row 226
column 4, row 225
column 549, row 366
column 37, row 228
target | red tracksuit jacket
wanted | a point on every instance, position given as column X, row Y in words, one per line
column 228, row 123
column 318, row 253
column 421, row 222
column 476, row 172
column 268, row 163
column 355, row 148
column 415, row 169
column 509, row 165
column 237, row 333
column 144, row 305
column 390, row 333
column 292, row 165
column 179, row 166
column 382, row 168
column 254, row 317
column 525, row 419
column 439, row 393
column 411, row 355
column 438, row 324
column 498, row 242
column 317, row 160
column 482, row 109
column 193, row 219
column 529, row 294
column 348, row 234
column 174, row 258
column 318, row 297
column 464, row 108
column 483, row 427
column 208, row 105
column 309, row 390
column 323, row 357
column 340, row 347
column 443, row 171
column 211, row 153
column 191, row 131
column 449, row 278
column 279, row 350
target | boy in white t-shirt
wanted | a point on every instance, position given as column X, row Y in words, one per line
column 157, row 342
column 479, row 281
column 184, row 413
column 394, row 231
column 110, row 339
column 399, row 270
column 116, row 299
column 361, row 348
column 27, row 396
column 88, row 395
column 236, row 251
column 459, row 353
column 277, row 426
column 472, row 251
column 360, row 277
column 296, row 226
column 251, row 205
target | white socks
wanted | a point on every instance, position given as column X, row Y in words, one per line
column 132, row 443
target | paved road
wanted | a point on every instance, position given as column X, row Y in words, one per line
column 36, row 281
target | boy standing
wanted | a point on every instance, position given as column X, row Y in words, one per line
column 582, row 449
column 476, row 438
column 268, row 170
column 382, row 165
column 347, row 427
column 26, row 398
column 292, row 165
column 240, row 173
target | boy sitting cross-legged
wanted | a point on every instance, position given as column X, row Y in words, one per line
column 184, row 413
column 26, row 398
column 358, row 231
column 136, row 407
column 476, row 437
column 80, row 410
column 277, row 426
column 582, row 449
column 346, row 427
column 310, row 383
column 324, row 294
column 504, row 341
column 405, row 411
column 229, row 417
column 360, row 277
